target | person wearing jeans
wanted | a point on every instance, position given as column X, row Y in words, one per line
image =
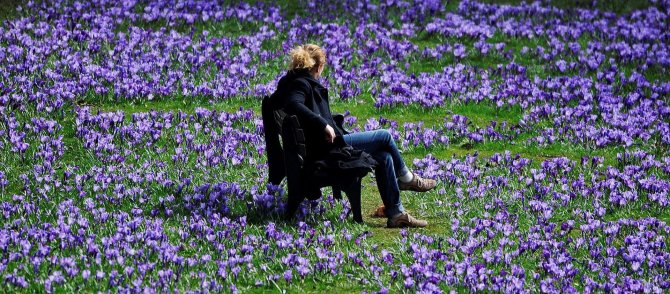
column 300, row 94
column 382, row 147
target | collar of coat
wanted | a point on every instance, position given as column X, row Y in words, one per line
column 304, row 73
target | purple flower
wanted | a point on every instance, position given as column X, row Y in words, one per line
column 288, row 275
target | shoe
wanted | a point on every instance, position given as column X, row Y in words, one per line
column 417, row 184
column 405, row 220
column 379, row 212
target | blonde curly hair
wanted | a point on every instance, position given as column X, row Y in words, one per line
column 308, row 56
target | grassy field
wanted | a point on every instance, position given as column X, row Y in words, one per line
column 469, row 203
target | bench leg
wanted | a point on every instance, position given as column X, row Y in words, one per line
column 354, row 195
column 295, row 197
column 292, row 206
column 337, row 193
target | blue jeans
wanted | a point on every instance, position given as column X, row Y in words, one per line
column 380, row 145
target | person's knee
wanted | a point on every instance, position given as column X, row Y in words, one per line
column 385, row 135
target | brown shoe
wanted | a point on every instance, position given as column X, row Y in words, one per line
column 405, row 220
column 417, row 184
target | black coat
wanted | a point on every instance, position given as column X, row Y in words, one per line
column 299, row 94
column 337, row 165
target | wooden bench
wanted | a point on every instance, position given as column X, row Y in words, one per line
column 292, row 166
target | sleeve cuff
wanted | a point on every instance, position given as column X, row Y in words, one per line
column 322, row 121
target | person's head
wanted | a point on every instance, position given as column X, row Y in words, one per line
column 310, row 57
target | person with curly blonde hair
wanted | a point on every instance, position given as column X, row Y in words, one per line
column 299, row 93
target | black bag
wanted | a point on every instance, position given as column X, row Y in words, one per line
column 341, row 165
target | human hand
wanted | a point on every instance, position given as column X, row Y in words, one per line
column 330, row 134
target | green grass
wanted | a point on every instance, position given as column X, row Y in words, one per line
column 185, row 105
column 425, row 205
column 8, row 9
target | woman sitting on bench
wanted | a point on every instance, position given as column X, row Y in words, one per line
column 300, row 94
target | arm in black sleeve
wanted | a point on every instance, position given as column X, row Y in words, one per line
column 295, row 104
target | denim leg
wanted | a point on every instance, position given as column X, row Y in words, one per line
column 377, row 141
column 387, row 184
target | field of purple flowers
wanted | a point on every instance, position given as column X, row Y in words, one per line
column 131, row 148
